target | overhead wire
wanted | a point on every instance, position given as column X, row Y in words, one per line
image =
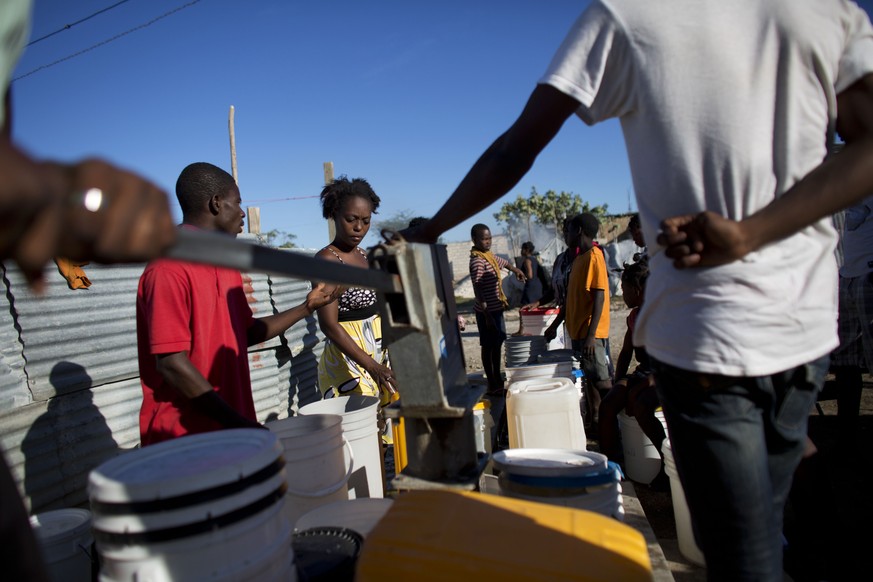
column 105, row 42
column 80, row 21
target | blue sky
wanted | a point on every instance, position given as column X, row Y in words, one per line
column 405, row 94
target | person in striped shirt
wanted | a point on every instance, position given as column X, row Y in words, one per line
column 485, row 268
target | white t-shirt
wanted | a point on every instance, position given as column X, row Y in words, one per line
column 14, row 28
column 724, row 105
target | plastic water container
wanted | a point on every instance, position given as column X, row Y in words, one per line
column 315, row 461
column 64, row 536
column 578, row 479
column 642, row 461
column 544, row 413
column 361, row 430
column 199, row 507
column 684, row 533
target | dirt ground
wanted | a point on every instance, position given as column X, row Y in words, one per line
column 828, row 517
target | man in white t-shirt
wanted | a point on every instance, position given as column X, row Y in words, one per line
column 726, row 109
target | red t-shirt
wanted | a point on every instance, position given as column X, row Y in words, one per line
column 200, row 310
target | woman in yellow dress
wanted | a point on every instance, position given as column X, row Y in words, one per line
column 353, row 361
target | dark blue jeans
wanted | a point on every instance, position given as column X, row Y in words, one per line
column 736, row 442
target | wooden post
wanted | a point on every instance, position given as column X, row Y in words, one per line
column 328, row 178
column 253, row 213
column 232, row 146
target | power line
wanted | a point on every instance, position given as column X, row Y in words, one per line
column 69, row 26
column 268, row 200
column 107, row 41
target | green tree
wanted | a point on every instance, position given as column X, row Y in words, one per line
column 278, row 238
column 549, row 209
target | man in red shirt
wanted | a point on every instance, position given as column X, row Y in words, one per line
column 194, row 324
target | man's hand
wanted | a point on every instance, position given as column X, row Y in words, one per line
column 702, row 240
column 519, row 274
column 588, row 347
column 45, row 212
column 321, row 295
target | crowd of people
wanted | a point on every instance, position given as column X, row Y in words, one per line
column 728, row 152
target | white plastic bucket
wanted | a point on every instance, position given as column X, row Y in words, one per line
column 642, row 462
column 361, row 430
column 64, row 536
column 577, row 479
column 316, row 462
column 544, row 413
column 358, row 515
column 684, row 533
column 200, row 507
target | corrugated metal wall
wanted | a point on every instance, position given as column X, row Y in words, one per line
column 69, row 379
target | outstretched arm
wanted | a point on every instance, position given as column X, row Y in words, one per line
column 266, row 328
column 503, row 164
column 707, row 239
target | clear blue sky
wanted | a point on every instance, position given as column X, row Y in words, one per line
column 405, row 94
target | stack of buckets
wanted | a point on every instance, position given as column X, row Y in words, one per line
column 568, row 478
column 547, row 460
column 524, row 349
column 207, row 506
column 536, row 321
column 315, row 454
column 360, row 428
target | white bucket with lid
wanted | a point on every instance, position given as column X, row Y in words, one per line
column 199, row 507
column 544, row 413
column 578, row 479
column 64, row 536
column 642, row 461
column 315, row 454
column 684, row 533
column 361, row 430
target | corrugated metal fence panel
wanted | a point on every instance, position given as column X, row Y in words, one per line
column 96, row 327
column 264, row 372
column 52, row 446
column 14, row 391
column 304, row 343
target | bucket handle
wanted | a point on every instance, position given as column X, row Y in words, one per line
column 330, row 489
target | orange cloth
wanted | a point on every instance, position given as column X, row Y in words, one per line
column 73, row 273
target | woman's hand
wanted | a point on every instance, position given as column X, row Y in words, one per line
column 383, row 376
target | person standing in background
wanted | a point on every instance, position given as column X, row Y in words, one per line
column 485, row 269
column 533, row 286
